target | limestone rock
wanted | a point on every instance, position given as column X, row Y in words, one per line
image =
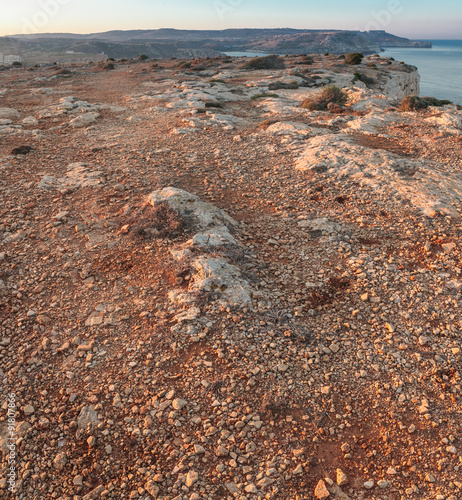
column 78, row 175
column 217, row 275
column 186, row 204
column 9, row 113
column 87, row 417
column 84, row 120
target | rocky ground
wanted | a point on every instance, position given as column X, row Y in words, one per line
column 205, row 295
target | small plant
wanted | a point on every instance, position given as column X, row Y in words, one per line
column 363, row 78
column 143, row 57
column 108, row 66
column 159, row 221
column 328, row 95
column 264, row 96
column 283, row 85
column 273, row 405
column 185, row 64
column 354, row 58
column 326, row 53
column 213, row 104
column 266, row 62
column 16, row 64
column 416, row 103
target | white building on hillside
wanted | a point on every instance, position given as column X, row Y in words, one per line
column 11, row 59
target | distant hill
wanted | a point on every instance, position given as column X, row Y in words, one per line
column 166, row 43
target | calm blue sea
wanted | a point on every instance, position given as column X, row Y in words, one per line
column 440, row 68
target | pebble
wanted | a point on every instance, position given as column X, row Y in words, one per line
column 60, row 461
column 28, row 410
column 191, row 478
column 152, row 489
column 78, row 480
column 178, row 404
column 321, row 490
column 341, row 477
column 298, row 470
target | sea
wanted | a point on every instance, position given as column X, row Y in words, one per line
column 440, row 67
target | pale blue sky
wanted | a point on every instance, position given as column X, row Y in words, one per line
column 410, row 18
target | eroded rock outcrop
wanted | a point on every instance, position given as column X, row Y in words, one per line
column 211, row 274
column 424, row 183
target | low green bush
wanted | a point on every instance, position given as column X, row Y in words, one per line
column 363, row 78
column 266, row 62
column 283, row 85
column 213, row 104
column 416, row 103
column 264, row 96
column 354, row 58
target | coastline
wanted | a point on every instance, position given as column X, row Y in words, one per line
column 440, row 68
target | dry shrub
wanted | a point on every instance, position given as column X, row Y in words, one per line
column 324, row 296
column 354, row 58
column 159, row 221
column 416, row 103
column 283, row 85
column 329, row 95
column 266, row 62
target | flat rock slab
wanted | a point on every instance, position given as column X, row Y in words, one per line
column 78, row 175
column 9, row 113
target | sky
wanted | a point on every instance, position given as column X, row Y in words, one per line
column 416, row 19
